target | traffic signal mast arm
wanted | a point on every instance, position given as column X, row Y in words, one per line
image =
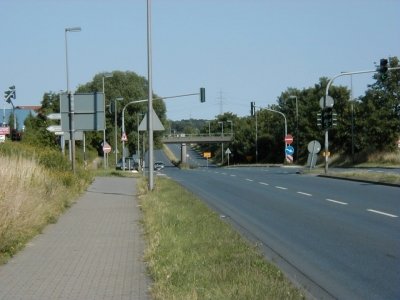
column 382, row 69
column 353, row 73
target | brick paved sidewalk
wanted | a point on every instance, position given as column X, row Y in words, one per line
column 94, row 251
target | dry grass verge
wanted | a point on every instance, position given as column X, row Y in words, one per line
column 32, row 196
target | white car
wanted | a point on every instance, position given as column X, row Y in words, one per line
column 158, row 165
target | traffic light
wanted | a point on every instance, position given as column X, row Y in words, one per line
column 383, row 68
column 252, row 108
column 202, row 95
column 10, row 94
column 12, row 89
column 334, row 119
column 319, row 119
column 328, row 118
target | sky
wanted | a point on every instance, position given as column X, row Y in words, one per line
column 238, row 50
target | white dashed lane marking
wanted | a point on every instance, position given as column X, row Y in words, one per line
column 280, row 187
column 382, row 213
column 305, row 194
column 335, row 201
column 310, row 195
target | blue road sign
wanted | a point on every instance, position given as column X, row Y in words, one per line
column 289, row 150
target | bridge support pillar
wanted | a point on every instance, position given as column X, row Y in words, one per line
column 183, row 153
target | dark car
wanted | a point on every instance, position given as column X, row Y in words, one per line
column 158, row 165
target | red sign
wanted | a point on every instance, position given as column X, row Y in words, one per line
column 106, row 148
column 289, row 139
column 4, row 130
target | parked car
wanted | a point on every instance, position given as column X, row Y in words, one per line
column 130, row 164
column 158, row 165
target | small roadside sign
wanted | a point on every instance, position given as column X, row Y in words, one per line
column 106, row 147
column 2, row 138
column 207, row 154
column 288, row 139
column 56, row 116
column 228, row 152
column 5, row 130
column 54, row 128
column 289, row 150
column 124, row 138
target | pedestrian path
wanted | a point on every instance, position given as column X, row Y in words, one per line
column 94, row 251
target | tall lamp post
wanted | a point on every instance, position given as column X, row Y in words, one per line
column 229, row 121
column 150, row 97
column 284, row 117
column 222, row 145
column 115, row 128
column 297, row 126
column 70, row 100
column 105, row 75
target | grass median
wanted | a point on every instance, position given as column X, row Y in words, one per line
column 193, row 254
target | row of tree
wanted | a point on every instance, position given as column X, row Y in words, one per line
column 367, row 124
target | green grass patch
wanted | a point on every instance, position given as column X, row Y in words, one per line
column 390, row 178
column 193, row 254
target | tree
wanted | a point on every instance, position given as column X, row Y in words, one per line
column 36, row 132
column 378, row 114
column 130, row 87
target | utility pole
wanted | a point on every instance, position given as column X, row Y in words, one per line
column 221, row 103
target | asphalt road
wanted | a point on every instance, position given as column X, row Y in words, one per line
column 338, row 239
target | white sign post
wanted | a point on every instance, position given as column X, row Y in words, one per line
column 228, row 152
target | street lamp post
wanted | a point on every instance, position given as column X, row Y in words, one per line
column 138, row 138
column 105, row 155
column 70, row 100
column 284, row 117
column 222, row 144
column 229, row 121
column 150, row 97
column 115, row 128
column 297, row 126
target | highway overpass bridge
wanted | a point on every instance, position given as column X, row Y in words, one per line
column 184, row 139
column 196, row 139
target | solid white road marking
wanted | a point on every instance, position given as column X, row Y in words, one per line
column 249, row 179
column 382, row 213
column 281, row 187
column 233, row 175
column 263, row 183
column 305, row 194
column 335, row 201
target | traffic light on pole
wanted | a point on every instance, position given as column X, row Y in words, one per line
column 334, row 119
column 7, row 96
column 12, row 89
column 319, row 120
column 383, row 68
column 252, row 108
column 10, row 94
column 202, row 95
column 328, row 118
